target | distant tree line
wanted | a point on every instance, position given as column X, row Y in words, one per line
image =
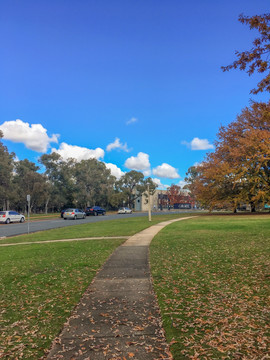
column 65, row 183
column 238, row 171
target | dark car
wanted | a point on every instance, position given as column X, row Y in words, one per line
column 95, row 210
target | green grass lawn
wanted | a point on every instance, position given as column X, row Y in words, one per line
column 41, row 283
column 120, row 227
column 211, row 275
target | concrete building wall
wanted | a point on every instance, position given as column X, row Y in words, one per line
column 158, row 201
column 154, row 200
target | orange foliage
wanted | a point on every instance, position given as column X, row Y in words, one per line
column 239, row 168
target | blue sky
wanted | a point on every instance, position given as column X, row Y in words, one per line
column 135, row 83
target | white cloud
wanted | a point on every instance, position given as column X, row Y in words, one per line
column 78, row 153
column 131, row 121
column 117, row 145
column 159, row 184
column 139, row 162
column 182, row 183
column 157, row 181
column 147, row 172
column 198, row 144
column 33, row 136
column 115, row 171
column 166, row 171
column 201, row 144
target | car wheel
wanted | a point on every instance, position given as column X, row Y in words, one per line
column 75, row 217
column 95, row 213
column 65, row 218
column 22, row 220
column 7, row 221
column 103, row 213
column 84, row 216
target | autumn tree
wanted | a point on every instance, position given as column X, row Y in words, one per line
column 213, row 187
column 257, row 58
column 239, row 168
column 245, row 144
column 173, row 193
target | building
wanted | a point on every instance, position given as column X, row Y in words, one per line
column 160, row 201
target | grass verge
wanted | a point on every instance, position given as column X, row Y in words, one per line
column 120, row 227
column 211, row 276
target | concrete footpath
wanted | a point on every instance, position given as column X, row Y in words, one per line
column 118, row 315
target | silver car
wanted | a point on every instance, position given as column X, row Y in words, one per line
column 11, row 216
column 74, row 214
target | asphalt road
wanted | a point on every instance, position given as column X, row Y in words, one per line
column 7, row 230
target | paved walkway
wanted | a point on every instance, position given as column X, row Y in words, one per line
column 118, row 316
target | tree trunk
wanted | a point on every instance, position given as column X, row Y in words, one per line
column 46, row 205
column 252, row 206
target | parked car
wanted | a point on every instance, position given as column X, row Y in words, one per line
column 124, row 210
column 62, row 212
column 74, row 214
column 11, row 216
column 95, row 210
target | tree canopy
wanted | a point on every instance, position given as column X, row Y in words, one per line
column 58, row 183
column 132, row 185
column 239, row 168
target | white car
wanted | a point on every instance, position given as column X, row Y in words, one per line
column 11, row 216
column 124, row 210
column 74, row 214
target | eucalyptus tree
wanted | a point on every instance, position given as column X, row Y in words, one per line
column 27, row 181
column 132, row 185
column 94, row 183
column 60, row 179
column 6, row 174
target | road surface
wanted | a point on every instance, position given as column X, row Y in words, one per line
column 7, row 230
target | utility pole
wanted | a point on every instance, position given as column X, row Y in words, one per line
column 149, row 204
